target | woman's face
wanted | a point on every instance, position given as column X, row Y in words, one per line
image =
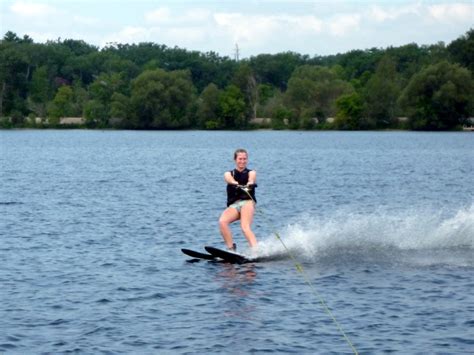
column 241, row 161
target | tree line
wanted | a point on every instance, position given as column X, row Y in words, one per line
column 152, row 86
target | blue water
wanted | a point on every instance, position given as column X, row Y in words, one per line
column 92, row 224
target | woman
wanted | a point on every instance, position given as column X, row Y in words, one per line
column 240, row 200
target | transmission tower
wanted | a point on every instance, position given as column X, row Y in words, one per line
column 236, row 53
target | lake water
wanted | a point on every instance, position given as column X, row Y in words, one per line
column 92, row 223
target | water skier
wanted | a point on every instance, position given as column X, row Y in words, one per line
column 241, row 183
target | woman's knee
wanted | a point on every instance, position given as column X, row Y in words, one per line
column 223, row 222
column 245, row 228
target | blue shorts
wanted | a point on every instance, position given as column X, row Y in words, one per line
column 239, row 204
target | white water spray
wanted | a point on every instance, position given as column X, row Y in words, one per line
column 345, row 232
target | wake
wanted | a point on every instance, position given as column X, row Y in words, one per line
column 383, row 234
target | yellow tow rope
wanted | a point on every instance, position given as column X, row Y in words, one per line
column 301, row 270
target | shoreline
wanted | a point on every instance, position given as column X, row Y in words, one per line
column 470, row 129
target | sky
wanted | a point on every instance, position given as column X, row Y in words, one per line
column 318, row 27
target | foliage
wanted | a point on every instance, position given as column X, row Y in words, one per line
column 281, row 118
column 244, row 79
column 439, row 97
column 232, row 108
column 40, row 85
column 152, row 86
column 95, row 113
column 350, row 112
column 62, row 105
column 312, row 91
column 265, row 93
column 462, row 50
column 119, row 106
column 382, row 91
column 13, row 74
column 276, row 70
column 208, row 107
column 271, row 104
column 161, row 100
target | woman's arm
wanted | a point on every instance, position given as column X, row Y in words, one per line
column 229, row 178
column 252, row 178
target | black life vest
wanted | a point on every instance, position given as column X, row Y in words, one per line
column 235, row 194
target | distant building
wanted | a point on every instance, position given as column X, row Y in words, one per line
column 35, row 120
column 72, row 120
column 261, row 121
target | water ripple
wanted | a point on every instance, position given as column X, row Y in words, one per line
column 92, row 223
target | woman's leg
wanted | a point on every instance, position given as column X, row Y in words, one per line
column 246, row 219
column 227, row 217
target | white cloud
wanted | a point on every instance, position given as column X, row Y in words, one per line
column 186, row 34
column 452, row 13
column 188, row 29
column 446, row 13
column 160, row 15
column 188, row 37
column 164, row 16
column 195, row 16
column 343, row 24
column 129, row 34
column 32, row 9
column 245, row 28
column 43, row 36
column 259, row 28
column 86, row 21
column 303, row 26
column 380, row 14
column 196, row 29
column 306, row 23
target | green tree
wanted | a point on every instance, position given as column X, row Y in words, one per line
column 281, row 118
column 14, row 71
column 270, row 99
column 39, row 93
column 313, row 90
column 382, row 93
column 462, row 50
column 162, row 99
column 265, row 93
column 101, row 91
column 119, row 106
column 355, row 62
column 350, row 111
column 62, row 105
column 101, row 80
column 125, row 67
column 80, row 97
column 437, row 52
column 40, row 85
column 208, row 107
column 232, row 108
column 96, row 114
column 245, row 80
column 439, row 97
column 276, row 69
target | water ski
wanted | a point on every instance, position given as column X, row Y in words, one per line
column 197, row 255
column 228, row 256
column 216, row 254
